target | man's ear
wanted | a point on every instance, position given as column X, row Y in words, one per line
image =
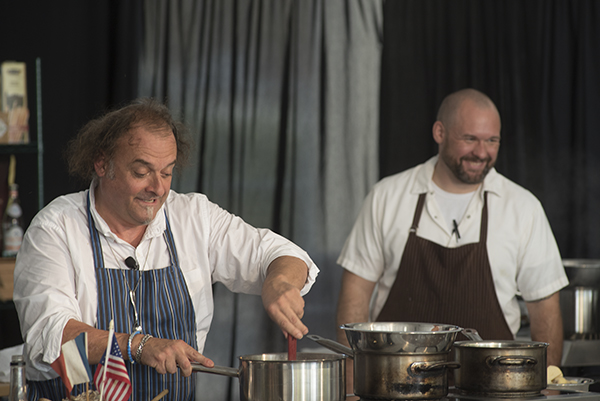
column 101, row 166
column 439, row 132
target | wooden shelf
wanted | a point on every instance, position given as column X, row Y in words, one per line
column 7, row 269
column 19, row 149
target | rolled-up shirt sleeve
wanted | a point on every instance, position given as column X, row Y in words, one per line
column 45, row 293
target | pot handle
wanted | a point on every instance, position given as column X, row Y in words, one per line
column 418, row 367
column 217, row 370
column 510, row 360
column 332, row 345
column 472, row 334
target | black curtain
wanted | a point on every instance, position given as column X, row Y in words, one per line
column 88, row 53
column 539, row 60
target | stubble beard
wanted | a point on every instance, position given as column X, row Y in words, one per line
column 459, row 172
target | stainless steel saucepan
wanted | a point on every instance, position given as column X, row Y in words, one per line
column 402, row 337
column 312, row 376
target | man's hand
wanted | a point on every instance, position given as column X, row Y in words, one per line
column 281, row 294
column 164, row 355
column 167, row 355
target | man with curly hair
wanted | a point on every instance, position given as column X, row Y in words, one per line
column 131, row 250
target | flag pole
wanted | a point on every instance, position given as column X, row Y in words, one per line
column 87, row 384
column 111, row 332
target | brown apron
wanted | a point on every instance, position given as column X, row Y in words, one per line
column 454, row 286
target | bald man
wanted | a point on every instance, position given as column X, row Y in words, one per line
column 452, row 241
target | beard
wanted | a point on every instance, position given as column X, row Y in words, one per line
column 149, row 212
column 456, row 166
column 149, row 215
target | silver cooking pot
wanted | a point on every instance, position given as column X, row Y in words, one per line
column 399, row 360
column 312, row 376
column 501, row 368
column 395, row 376
column 404, row 337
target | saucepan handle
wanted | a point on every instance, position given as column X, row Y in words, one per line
column 332, row 345
column 472, row 334
column 417, row 367
column 217, row 370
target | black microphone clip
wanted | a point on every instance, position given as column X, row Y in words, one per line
column 132, row 263
column 455, row 229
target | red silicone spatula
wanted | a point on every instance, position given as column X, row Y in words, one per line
column 291, row 348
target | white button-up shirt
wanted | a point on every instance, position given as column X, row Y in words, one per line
column 55, row 279
column 523, row 254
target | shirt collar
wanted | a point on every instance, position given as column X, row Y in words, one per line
column 424, row 183
column 156, row 227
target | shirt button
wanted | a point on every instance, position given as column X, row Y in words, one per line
column 468, row 216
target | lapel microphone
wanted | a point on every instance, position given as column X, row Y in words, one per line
column 132, row 263
column 454, row 231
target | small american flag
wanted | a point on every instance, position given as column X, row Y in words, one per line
column 116, row 386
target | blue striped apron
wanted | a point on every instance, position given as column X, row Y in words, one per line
column 165, row 310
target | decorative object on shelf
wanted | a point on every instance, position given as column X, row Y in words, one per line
column 12, row 221
column 14, row 112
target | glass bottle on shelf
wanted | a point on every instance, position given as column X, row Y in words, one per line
column 18, row 384
column 12, row 224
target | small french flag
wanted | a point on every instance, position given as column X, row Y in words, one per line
column 72, row 365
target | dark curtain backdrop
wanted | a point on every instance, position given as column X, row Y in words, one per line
column 88, row 58
column 539, row 60
column 282, row 100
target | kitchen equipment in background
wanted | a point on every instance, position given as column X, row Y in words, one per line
column 580, row 307
column 572, row 384
column 311, row 377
